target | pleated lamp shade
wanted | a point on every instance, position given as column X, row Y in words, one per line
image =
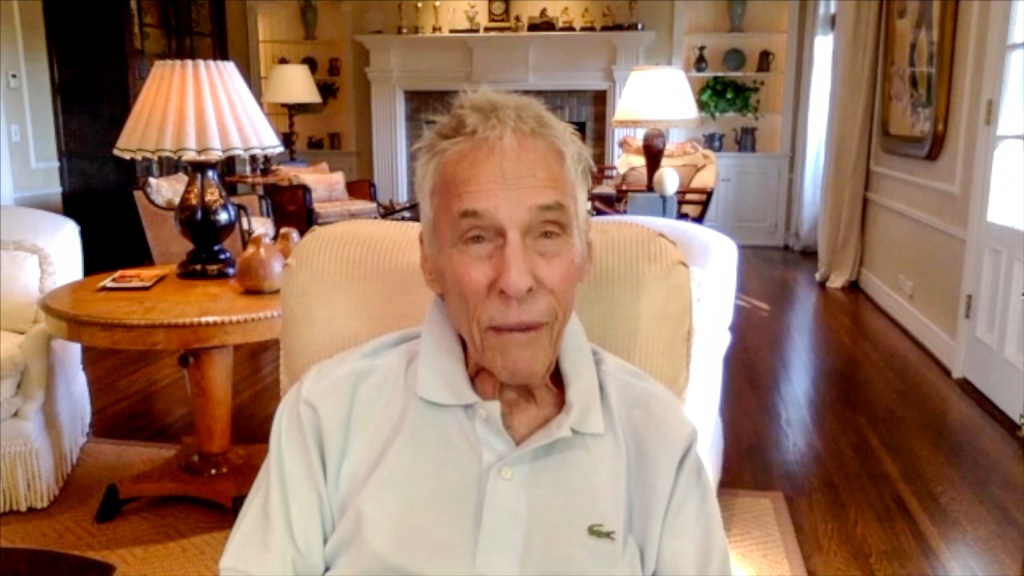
column 656, row 97
column 196, row 110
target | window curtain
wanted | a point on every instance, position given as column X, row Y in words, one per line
column 816, row 113
column 854, row 77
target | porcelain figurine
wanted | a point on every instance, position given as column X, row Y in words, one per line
column 471, row 15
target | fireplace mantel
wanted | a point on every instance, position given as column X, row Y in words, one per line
column 530, row 61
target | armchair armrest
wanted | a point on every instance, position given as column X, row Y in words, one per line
column 362, row 190
column 292, row 205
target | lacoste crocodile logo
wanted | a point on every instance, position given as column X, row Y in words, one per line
column 598, row 531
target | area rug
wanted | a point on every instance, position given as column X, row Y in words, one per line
column 182, row 536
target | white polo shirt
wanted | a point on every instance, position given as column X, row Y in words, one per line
column 384, row 460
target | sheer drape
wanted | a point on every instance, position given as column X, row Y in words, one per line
column 816, row 112
column 854, row 74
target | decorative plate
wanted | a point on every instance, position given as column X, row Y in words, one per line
column 312, row 63
column 734, row 59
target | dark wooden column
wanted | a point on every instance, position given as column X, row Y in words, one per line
column 100, row 53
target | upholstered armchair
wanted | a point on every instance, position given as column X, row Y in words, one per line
column 157, row 202
column 45, row 408
column 660, row 294
column 300, row 206
column 695, row 166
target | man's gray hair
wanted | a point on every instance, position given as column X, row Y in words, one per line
column 486, row 117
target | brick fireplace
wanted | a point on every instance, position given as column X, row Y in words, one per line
column 578, row 75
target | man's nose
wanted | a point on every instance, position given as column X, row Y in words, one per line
column 515, row 278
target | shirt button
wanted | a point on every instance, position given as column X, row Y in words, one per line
column 481, row 413
column 507, row 473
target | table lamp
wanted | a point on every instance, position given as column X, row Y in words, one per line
column 199, row 111
column 291, row 85
column 655, row 98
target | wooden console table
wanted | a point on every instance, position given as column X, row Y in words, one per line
column 204, row 319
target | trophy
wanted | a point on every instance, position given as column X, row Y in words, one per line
column 401, row 19
column 437, row 18
column 633, row 24
column 417, row 29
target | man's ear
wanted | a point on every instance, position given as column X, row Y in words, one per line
column 588, row 260
column 428, row 266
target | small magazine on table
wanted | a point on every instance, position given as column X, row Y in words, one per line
column 132, row 279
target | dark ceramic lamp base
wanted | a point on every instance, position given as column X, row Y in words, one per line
column 206, row 218
column 654, row 151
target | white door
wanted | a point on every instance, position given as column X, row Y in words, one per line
column 994, row 360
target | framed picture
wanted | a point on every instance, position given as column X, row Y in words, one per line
column 917, row 67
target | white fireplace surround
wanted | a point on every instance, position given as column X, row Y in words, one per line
column 530, row 61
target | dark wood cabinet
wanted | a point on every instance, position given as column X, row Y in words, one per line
column 100, row 54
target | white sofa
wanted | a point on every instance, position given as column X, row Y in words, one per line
column 364, row 276
column 46, row 408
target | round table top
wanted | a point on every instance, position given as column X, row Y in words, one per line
column 173, row 314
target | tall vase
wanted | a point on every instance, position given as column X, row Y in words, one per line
column 737, row 8
column 308, row 13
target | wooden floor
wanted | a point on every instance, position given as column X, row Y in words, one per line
column 888, row 466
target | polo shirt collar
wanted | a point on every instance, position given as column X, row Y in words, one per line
column 442, row 377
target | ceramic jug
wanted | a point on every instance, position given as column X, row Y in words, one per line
column 764, row 61
column 700, row 63
column 746, row 138
column 260, row 267
column 287, row 238
column 714, row 141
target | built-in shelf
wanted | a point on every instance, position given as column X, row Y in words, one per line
column 750, row 74
column 737, row 36
column 306, row 42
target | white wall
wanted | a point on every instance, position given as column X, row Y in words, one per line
column 30, row 166
column 6, row 183
column 916, row 214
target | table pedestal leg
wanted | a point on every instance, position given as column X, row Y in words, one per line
column 206, row 466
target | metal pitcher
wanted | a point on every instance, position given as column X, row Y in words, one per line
column 746, row 138
column 714, row 141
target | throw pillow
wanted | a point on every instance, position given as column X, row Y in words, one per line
column 166, row 191
column 325, row 187
column 633, row 145
column 636, row 177
column 22, row 282
column 288, row 170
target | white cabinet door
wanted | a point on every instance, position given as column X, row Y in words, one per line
column 752, row 207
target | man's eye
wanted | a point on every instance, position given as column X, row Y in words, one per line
column 550, row 234
column 476, row 239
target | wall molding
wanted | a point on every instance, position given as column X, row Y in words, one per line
column 922, row 329
column 956, row 186
column 916, row 215
column 35, row 163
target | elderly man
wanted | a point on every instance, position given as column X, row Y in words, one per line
column 495, row 439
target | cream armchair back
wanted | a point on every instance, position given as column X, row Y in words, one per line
column 45, row 403
column 656, row 296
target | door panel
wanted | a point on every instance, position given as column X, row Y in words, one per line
column 994, row 351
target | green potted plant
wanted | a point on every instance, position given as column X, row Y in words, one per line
column 721, row 95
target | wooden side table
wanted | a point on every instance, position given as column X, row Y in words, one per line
column 204, row 319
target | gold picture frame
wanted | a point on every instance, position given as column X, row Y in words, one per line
column 917, row 69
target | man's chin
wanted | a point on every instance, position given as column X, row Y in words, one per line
column 526, row 370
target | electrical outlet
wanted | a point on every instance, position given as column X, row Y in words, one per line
column 15, row 133
column 906, row 286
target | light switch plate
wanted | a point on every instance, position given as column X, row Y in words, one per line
column 13, row 80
